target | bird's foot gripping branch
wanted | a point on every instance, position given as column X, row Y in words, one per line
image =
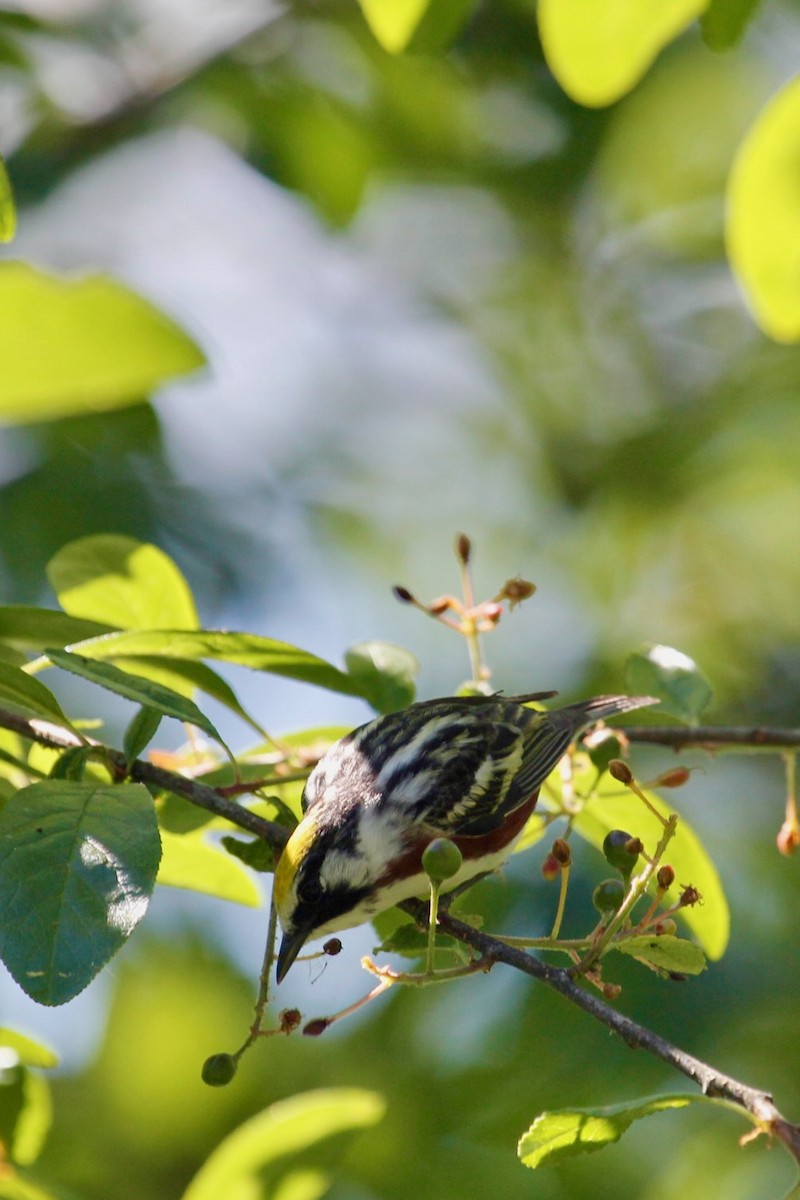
column 357, row 826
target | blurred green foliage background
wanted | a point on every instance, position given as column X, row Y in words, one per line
column 434, row 294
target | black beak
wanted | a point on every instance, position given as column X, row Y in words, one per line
column 291, row 945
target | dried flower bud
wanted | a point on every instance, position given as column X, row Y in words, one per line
column 788, row 838
column 516, row 590
column 489, row 614
column 561, row 852
column 665, row 877
column 611, row 991
column 677, row 977
column 316, row 1027
column 550, row 868
column 620, row 771
column 289, row 1019
column 332, row 947
column 463, row 548
column 403, row 594
column 677, row 777
column 689, row 897
column 439, row 605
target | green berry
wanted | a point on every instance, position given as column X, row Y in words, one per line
column 218, row 1070
column 621, row 850
column 441, row 860
column 608, row 895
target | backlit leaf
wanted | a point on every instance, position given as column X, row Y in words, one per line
column 84, row 344
column 119, row 581
column 598, row 51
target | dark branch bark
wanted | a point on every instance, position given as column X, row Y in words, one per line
column 48, row 734
column 713, row 737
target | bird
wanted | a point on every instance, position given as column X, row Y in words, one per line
column 464, row 768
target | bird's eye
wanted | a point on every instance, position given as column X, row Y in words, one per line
column 310, row 890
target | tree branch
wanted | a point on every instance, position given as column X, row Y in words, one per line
column 757, row 1103
column 55, row 736
column 713, row 737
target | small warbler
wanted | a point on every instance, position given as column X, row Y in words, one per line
column 464, row 768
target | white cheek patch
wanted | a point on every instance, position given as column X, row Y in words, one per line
column 340, row 869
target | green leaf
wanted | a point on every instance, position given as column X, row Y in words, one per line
column 245, row 649
column 385, row 674
column 724, row 22
column 186, row 677
column 666, row 952
column 78, row 862
column 598, row 51
column 393, row 24
column 411, row 942
column 134, row 687
column 555, row 1136
column 288, row 1127
column 25, row 1051
column 612, row 808
column 763, row 215
column 121, row 582
column 26, row 1114
column 22, row 693
column 35, row 628
column 81, row 345
column 189, row 862
column 672, row 677
column 8, row 215
column 255, row 853
column 142, row 728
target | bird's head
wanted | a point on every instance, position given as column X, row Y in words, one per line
column 322, row 881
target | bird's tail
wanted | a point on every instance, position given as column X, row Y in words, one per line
column 575, row 717
column 550, row 734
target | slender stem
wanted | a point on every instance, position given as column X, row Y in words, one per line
column 636, row 890
column 49, row 734
column 562, row 901
column 433, row 910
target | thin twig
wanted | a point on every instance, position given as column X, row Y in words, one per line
column 47, row 733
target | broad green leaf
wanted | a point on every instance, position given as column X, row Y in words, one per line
column 140, row 731
column 599, row 50
column 189, row 862
column 555, row 1136
column 612, row 807
column 121, row 582
column 136, row 688
column 287, row 1127
column 245, row 649
column 672, row 677
column 22, row 693
column 724, row 22
column 8, row 214
column 17, row 1048
column 81, row 345
column 35, row 628
column 255, row 853
column 301, row 1185
column 763, row 216
column 26, row 1114
column 186, row 678
column 78, row 862
column 666, row 952
column 385, row 673
column 393, row 22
